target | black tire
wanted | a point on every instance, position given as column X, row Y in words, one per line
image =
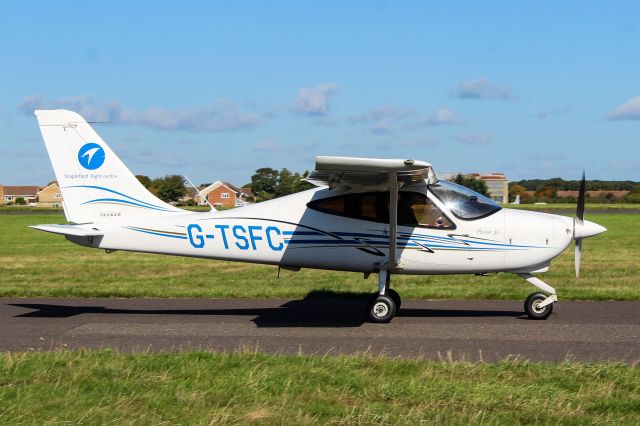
column 396, row 298
column 531, row 309
column 382, row 309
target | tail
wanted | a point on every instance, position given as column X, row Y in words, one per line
column 96, row 186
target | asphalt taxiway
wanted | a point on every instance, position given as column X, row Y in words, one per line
column 469, row 330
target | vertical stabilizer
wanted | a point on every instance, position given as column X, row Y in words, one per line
column 96, row 185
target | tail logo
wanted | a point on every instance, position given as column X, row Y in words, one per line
column 91, row 156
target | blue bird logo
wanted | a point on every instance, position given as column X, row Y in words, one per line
column 91, row 156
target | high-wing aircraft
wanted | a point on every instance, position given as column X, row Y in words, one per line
column 380, row 216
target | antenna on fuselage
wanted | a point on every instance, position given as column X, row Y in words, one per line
column 202, row 197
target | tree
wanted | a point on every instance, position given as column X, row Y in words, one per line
column 633, row 196
column 286, row 180
column 20, row 201
column 264, row 182
column 515, row 190
column 546, row 193
column 300, row 184
column 472, row 183
column 169, row 188
column 268, row 183
column 144, row 180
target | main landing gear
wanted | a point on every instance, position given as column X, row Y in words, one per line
column 383, row 305
column 538, row 305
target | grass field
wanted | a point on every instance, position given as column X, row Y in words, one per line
column 102, row 387
column 572, row 206
column 98, row 387
column 40, row 264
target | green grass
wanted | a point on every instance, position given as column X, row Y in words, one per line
column 100, row 387
column 35, row 263
column 572, row 206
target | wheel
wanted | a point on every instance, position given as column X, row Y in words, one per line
column 532, row 309
column 396, row 298
column 382, row 309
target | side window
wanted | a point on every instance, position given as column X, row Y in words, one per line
column 332, row 205
column 414, row 208
column 371, row 206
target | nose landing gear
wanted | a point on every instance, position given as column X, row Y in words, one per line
column 539, row 306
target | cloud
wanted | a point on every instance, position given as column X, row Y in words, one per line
column 219, row 117
column 409, row 145
column 268, row 146
column 629, row 110
column 543, row 115
column 475, row 138
column 383, row 120
column 482, row 89
column 314, row 101
column 86, row 106
column 442, row 117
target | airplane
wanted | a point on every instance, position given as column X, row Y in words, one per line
column 367, row 215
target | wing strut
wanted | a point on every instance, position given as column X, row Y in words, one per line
column 391, row 264
column 394, row 186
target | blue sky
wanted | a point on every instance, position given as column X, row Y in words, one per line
column 215, row 90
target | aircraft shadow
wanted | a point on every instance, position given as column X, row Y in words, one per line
column 317, row 309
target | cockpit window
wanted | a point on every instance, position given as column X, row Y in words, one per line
column 414, row 208
column 463, row 202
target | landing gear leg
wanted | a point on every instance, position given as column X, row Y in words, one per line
column 386, row 302
column 538, row 305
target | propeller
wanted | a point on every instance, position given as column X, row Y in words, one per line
column 578, row 222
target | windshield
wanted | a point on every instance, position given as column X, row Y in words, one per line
column 463, row 202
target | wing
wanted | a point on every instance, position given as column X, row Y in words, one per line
column 351, row 173
column 354, row 172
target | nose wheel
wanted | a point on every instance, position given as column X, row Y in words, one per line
column 539, row 306
column 534, row 307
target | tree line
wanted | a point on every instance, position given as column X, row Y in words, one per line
column 560, row 184
column 268, row 183
column 545, row 190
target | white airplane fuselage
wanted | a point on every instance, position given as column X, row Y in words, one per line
column 287, row 233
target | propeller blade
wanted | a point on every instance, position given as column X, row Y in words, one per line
column 581, row 197
column 578, row 256
column 578, row 221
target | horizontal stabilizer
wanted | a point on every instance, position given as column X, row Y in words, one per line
column 74, row 230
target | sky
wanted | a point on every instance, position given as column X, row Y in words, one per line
column 215, row 90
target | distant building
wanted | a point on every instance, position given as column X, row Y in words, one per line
column 12, row 193
column 191, row 194
column 248, row 192
column 223, row 194
column 50, row 196
column 497, row 184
